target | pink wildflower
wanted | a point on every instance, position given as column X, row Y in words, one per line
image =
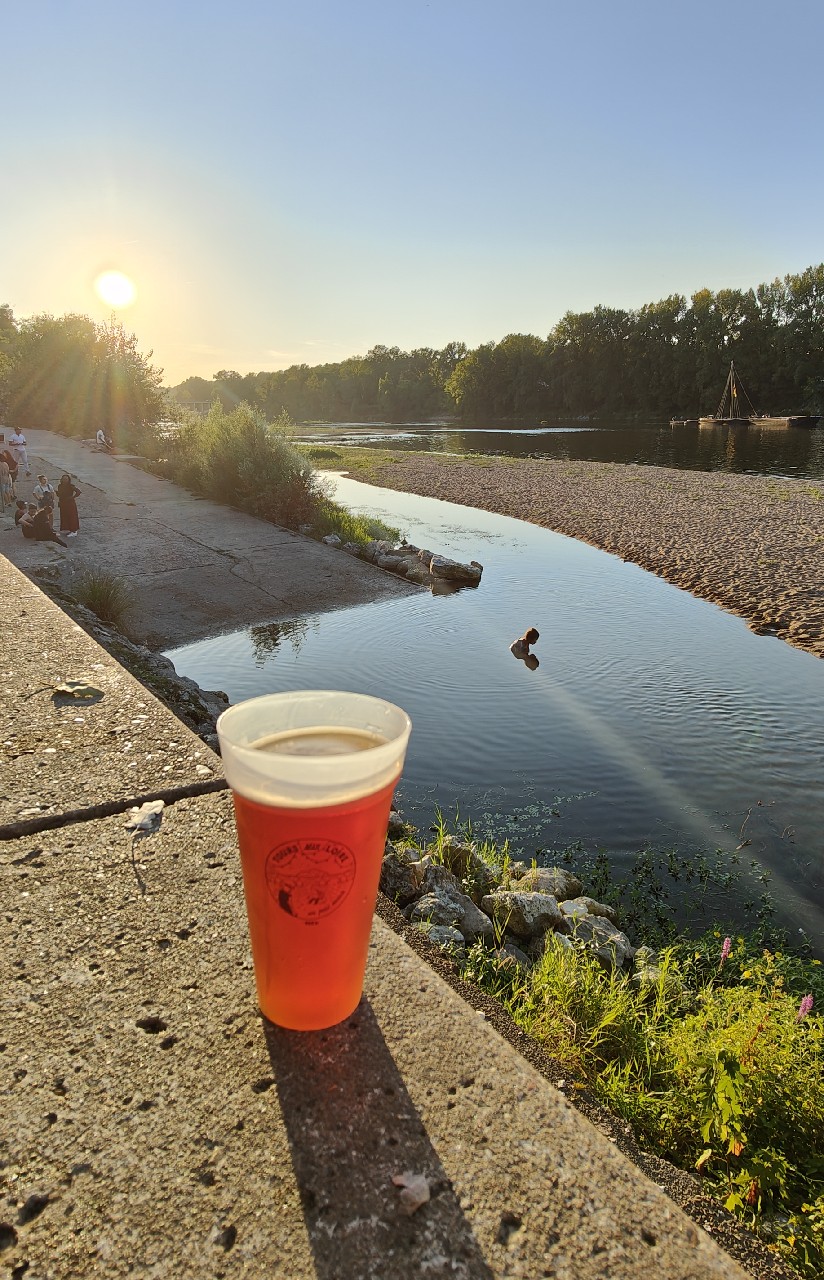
column 726, row 948
column 804, row 1008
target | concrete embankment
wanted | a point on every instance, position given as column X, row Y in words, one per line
column 154, row 1124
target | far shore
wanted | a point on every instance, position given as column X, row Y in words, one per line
column 752, row 544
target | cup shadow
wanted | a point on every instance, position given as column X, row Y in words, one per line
column 352, row 1127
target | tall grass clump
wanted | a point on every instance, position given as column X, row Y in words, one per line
column 107, row 595
column 239, row 458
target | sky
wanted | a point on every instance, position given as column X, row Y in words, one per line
column 295, row 183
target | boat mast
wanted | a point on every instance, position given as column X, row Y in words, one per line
column 734, row 393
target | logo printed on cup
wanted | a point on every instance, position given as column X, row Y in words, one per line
column 309, row 879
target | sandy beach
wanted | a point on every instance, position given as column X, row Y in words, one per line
column 752, row 544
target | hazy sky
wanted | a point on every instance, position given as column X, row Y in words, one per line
column 297, row 182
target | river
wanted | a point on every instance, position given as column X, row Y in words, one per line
column 654, row 719
column 773, row 451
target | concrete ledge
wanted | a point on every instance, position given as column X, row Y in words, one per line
column 156, row 1125
column 59, row 753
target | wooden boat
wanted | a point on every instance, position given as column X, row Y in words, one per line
column 792, row 420
column 735, row 399
column 736, row 409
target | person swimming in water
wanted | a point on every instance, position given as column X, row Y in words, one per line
column 520, row 647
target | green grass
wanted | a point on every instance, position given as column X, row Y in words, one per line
column 107, row 595
column 710, row 1061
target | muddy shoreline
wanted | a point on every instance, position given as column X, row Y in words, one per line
column 752, row 544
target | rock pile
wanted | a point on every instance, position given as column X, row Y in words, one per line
column 413, row 563
column 450, row 894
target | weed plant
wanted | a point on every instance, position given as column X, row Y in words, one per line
column 716, row 1060
column 107, row 595
column 239, row 458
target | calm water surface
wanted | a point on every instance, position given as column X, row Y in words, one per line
column 653, row 718
column 756, row 450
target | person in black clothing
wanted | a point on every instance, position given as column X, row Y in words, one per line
column 36, row 524
column 19, row 510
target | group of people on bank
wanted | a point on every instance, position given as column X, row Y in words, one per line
column 36, row 519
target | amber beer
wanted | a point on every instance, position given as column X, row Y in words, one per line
column 312, row 774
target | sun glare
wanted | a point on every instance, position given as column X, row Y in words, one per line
column 115, row 289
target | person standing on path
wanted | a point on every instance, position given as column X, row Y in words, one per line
column 66, row 494
column 17, row 444
column 43, row 491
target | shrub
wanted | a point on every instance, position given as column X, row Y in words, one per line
column 238, row 458
column 106, row 595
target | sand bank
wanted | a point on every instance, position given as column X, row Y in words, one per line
column 752, row 544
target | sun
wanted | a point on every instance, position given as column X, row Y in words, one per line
column 115, row 289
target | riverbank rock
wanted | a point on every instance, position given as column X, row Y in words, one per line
column 443, row 935
column 416, row 564
column 512, row 958
column 582, row 906
column 604, row 939
column 445, row 905
column 453, row 571
column 401, row 874
column 463, row 860
column 562, row 884
column 524, row 914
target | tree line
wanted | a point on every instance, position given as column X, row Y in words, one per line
column 667, row 358
column 72, row 375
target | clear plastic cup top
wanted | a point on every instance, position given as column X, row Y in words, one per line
column 302, row 781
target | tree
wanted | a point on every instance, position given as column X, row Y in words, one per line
column 71, row 375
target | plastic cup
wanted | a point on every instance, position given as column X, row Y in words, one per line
column 311, row 828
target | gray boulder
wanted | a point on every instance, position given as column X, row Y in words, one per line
column 510, row 957
column 544, row 941
column 600, row 936
column 583, row 906
column 562, row 884
column 448, row 906
column 443, row 935
column 401, row 875
column 453, row 571
column 524, row 914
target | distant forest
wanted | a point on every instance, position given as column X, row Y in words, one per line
column 670, row 358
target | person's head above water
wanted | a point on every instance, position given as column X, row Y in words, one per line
column 531, row 635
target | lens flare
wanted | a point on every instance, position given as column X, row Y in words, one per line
column 115, row 289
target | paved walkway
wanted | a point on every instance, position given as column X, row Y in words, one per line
column 194, row 567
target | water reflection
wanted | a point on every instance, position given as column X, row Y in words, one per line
column 267, row 640
column 795, row 451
